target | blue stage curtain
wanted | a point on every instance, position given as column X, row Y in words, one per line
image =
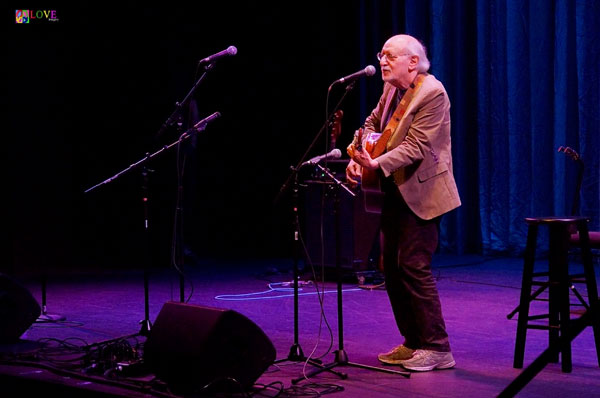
column 524, row 79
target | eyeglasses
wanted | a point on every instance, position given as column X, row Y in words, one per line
column 389, row 57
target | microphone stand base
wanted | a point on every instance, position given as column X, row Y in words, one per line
column 50, row 318
column 146, row 326
column 341, row 359
column 297, row 355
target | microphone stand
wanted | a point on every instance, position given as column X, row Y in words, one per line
column 296, row 354
column 341, row 357
column 179, row 105
column 146, row 324
column 200, row 126
column 178, row 256
column 44, row 316
column 324, row 127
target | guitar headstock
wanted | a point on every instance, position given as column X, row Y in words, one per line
column 336, row 127
column 570, row 152
column 359, row 138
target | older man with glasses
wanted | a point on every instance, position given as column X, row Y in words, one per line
column 405, row 148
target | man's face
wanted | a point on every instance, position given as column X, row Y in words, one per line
column 397, row 63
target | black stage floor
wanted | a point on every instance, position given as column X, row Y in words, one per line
column 80, row 355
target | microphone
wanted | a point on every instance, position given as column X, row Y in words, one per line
column 333, row 154
column 201, row 125
column 368, row 71
column 231, row 50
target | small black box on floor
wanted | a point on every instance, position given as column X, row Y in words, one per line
column 192, row 346
column 18, row 309
column 370, row 279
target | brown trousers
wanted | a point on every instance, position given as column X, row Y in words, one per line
column 408, row 244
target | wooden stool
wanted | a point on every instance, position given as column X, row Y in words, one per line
column 558, row 283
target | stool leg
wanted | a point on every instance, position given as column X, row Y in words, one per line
column 529, row 260
column 590, row 278
column 559, row 305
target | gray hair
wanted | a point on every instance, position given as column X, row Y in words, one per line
column 415, row 47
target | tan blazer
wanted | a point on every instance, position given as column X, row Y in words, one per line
column 419, row 155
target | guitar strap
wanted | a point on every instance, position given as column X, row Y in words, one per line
column 381, row 143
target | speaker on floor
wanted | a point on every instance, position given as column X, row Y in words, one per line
column 18, row 309
column 192, row 346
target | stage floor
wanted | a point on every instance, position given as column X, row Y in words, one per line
column 101, row 307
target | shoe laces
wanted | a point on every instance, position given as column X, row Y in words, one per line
column 422, row 354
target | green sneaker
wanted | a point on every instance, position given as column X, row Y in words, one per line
column 397, row 355
column 425, row 360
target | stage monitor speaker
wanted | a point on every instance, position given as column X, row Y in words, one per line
column 192, row 346
column 18, row 309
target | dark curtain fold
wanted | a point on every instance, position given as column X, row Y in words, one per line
column 523, row 79
column 587, row 49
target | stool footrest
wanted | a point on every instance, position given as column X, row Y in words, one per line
column 542, row 327
column 538, row 316
column 540, row 274
column 544, row 283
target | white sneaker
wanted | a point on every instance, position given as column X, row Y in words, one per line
column 425, row 360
